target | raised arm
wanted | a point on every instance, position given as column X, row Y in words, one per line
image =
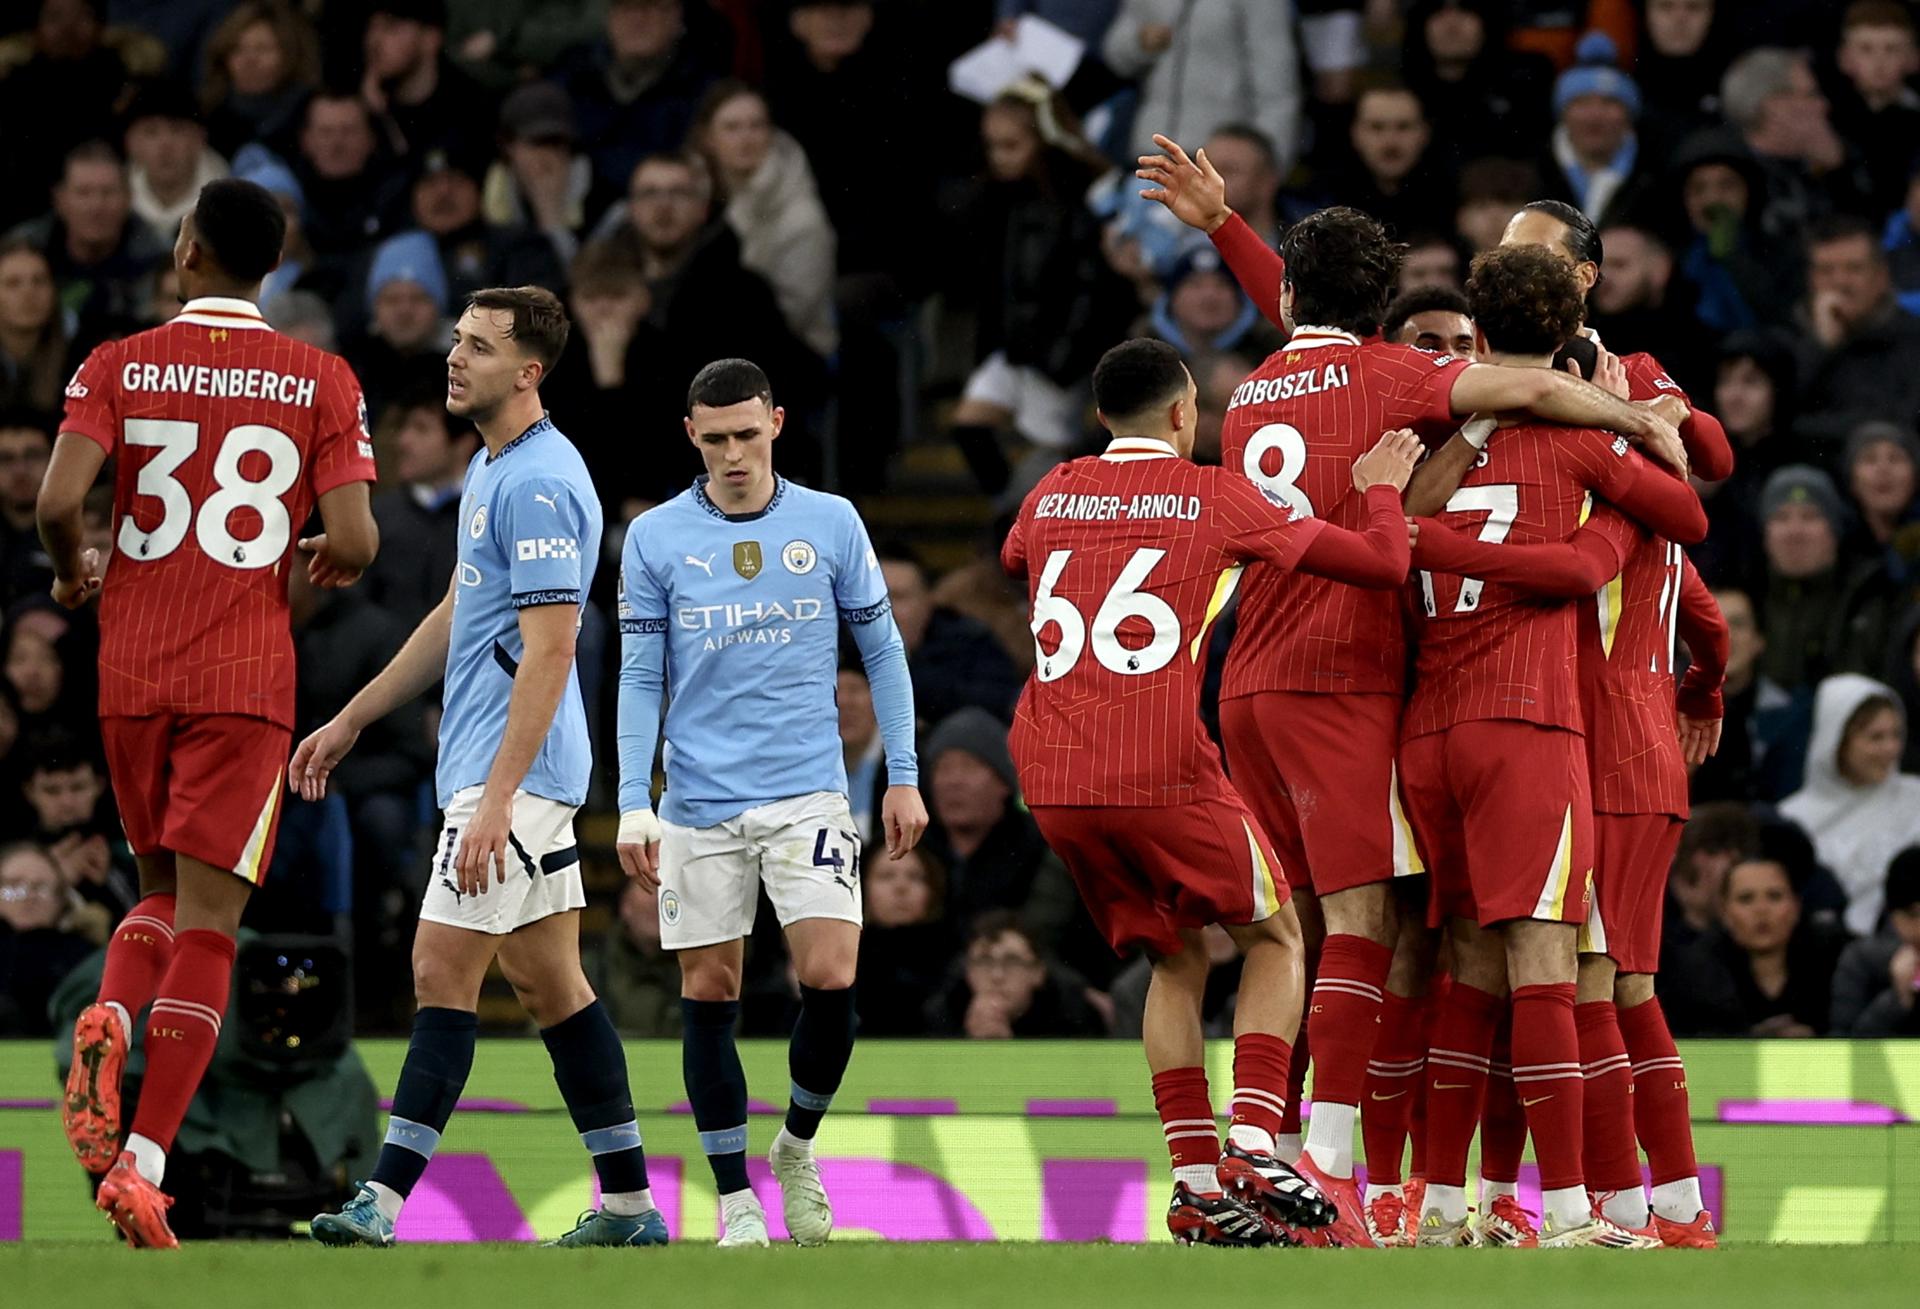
column 1193, row 190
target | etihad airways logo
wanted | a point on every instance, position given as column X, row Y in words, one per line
column 765, row 623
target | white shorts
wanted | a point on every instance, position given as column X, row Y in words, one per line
column 804, row 850
column 1044, row 412
column 543, row 868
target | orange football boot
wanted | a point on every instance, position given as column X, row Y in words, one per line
column 136, row 1206
column 90, row 1111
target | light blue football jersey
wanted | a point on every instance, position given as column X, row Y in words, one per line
column 529, row 535
column 751, row 606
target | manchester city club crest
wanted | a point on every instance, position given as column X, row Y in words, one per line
column 669, row 908
column 799, row 557
column 746, row 559
column 479, row 523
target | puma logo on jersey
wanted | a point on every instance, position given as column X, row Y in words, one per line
column 546, row 500
column 704, row 565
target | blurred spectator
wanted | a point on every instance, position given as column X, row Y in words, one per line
column 1435, row 318
column 1217, row 1002
column 425, row 450
column 1250, row 168
column 37, row 949
column 1433, row 261
column 103, row 255
column 1766, row 971
column 1027, row 261
column 1771, row 98
column 26, row 443
column 354, row 196
column 37, row 677
column 1006, row 988
column 1716, row 837
column 1595, row 159
column 906, row 947
column 36, row 358
column 1208, row 62
column 1759, row 713
column 1086, row 19
column 1876, row 109
column 1732, row 267
column 1629, row 304
column 404, row 348
column 955, row 661
column 303, row 316
column 1681, row 54
column 863, row 754
column 261, row 64
column 1878, row 979
column 64, row 788
column 982, row 591
column 1860, row 349
column 1882, row 466
column 69, row 65
column 638, row 981
column 501, row 41
column 1752, row 395
column 634, row 88
column 474, row 251
column 168, row 155
column 420, row 100
column 1903, row 674
column 541, row 184
column 1202, row 310
column 773, row 206
column 1388, row 173
column 1858, row 808
column 1822, row 614
column 1482, row 97
column 1491, row 191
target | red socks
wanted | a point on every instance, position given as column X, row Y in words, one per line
column 1457, row 1078
column 1261, row 1069
column 1660, row 1111
column 1503, row 1123
column 1607, row 1142
column 1343, row 1015
column 1546, row 1073
column 1393, row 1081
column 182, row 1031
column 138, row 955
column 1186, row 1116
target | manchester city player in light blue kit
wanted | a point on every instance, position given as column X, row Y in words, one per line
column 731, row 598
column 513, row 770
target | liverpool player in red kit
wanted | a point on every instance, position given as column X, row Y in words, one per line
column 1130, row 557
column 1312, row 692
column 1495, row 769
column 227, row 434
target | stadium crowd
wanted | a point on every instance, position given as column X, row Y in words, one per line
column 794, row 181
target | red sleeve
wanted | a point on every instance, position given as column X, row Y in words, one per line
column 1661, row 501
column 93, row 398
column 1427, row 401
column 343, row 447
column 1377, row 557
column 1704, row 629
column 1708, row 449
column 1255, row 525
column 1577, row 566
column 1254, row 265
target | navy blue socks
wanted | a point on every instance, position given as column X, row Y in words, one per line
column 817, row 1056
column 717, row 1087
column 439, row 1057
column 590, row 1068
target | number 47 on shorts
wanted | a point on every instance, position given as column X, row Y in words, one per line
column 844, row 863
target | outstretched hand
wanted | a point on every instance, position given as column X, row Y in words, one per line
column 1191, row 188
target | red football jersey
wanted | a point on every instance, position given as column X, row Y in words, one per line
column 1294, row 427
column 1487, row 650
column 1626, row 662
column 226, row 433
column 1130, row 556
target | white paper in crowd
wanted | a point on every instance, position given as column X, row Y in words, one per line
column 1037, row 47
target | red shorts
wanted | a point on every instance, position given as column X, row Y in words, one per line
column 206, row 786
column 1632, row 855
column 1146, row 874
column 1319, row 773
column 1505, row 819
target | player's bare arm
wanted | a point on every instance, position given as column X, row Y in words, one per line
column 1563, row 398
column 351, row 539
column 421, row 662
column 71, row 472
column 548, row 632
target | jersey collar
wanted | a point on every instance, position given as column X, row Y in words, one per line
column 1307, row 337
column 700, row 498
column 1125, row 449
column 222, row 311
column 543, row 424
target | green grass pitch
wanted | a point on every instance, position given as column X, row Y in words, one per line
column 296, row 1276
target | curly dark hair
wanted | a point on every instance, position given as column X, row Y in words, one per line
column 1342, row 268
column 1525, row 299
